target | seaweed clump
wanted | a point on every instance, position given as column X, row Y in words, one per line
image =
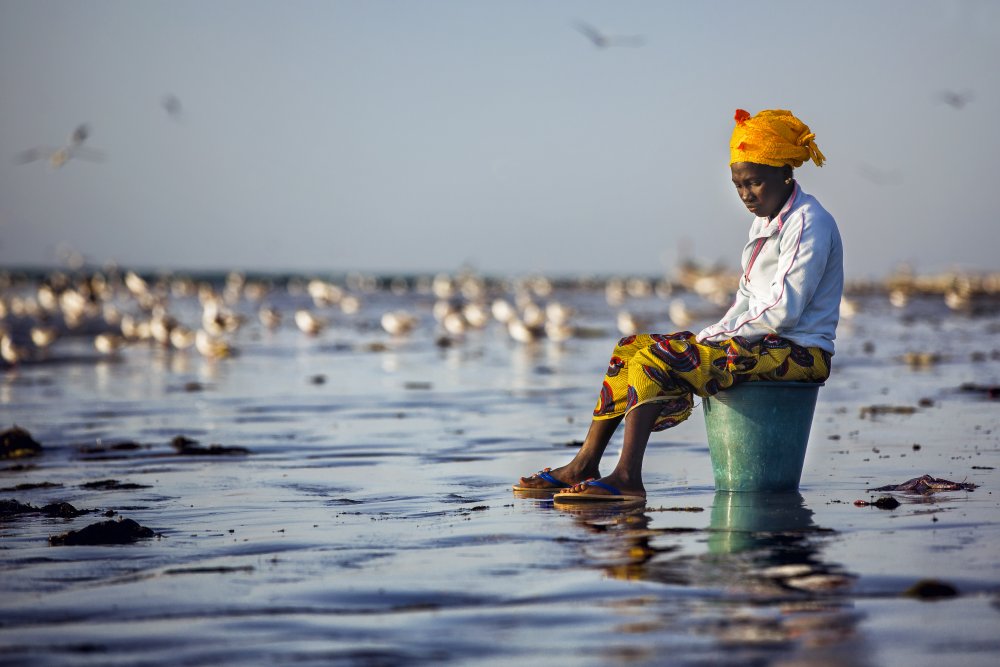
column 188, row 447
column 125, row 531
column 12, row 508
column 16, row 443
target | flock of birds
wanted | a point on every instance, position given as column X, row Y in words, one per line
column 117, row 310
column 962, row 293
column 120, row 309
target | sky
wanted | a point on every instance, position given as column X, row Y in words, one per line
column 424, row 136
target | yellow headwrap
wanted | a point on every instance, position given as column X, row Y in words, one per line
column 774, row 137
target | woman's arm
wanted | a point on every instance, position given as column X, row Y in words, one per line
column 803, row 250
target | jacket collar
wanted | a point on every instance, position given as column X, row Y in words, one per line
column 767, row 227
column 780, row 218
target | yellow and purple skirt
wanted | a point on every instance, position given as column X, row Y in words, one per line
column 669, row 369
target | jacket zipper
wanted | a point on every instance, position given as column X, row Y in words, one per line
column 753, row 257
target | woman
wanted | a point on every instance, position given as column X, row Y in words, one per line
column 781, row 325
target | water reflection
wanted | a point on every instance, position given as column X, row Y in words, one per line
column 630, row 547
column 749, row 521
column 768, row 544
column 755, row 578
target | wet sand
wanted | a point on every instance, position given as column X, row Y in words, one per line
column 371, row 521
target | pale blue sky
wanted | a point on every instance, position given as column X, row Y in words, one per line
column 421, row 135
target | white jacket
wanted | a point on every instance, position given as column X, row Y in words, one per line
column 793, row 286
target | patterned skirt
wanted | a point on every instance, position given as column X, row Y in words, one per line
column 669, row 369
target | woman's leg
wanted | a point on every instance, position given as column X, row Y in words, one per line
column 627, row 475
column 660, row 376
column 585, row 464
column 611, row 402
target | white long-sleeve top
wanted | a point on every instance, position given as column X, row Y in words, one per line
column 793, row 278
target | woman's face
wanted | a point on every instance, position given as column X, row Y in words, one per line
column 762, row 188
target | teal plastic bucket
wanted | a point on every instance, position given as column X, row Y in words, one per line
column 757, row 434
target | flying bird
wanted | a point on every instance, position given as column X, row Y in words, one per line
column 878, row 175
column 955, row 99
column 57, row 157
column 172, row 105
column 602, row 41
column 79, row 135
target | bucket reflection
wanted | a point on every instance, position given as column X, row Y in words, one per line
column 767, row 545
column 755, row 578
column 745, row 521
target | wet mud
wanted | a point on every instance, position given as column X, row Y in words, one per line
column 368, row 519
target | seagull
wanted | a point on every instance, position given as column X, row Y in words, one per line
column 602, row 41
column 172, row 105
column 14, row 352
column 108, row 343
column 522, row 332
column 309, row 323
column 558, row 331
column 270, row 317
column 877, row 175
column 955, row 99
column 503, row 311
column 475, row 314
column 630, row 324
column 211, row 347
column 57, row 157
column 79, row 135
column 398, row 322
column 182, row 338
column 455, row 323
column 43, row 336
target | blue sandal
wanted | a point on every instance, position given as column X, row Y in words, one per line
column 544, row 475
column 612, row 494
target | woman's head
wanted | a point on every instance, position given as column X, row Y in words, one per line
column 762, row 153
column 763, row 189
column 773, row 137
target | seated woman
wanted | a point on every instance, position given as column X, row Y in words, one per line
column 781, row 326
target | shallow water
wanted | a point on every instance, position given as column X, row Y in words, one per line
column 372, row 521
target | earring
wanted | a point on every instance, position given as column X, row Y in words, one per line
column 788, row 181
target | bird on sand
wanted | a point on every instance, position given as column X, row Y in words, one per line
column 398, row 322
column 269, row 316
column 43, row 336
column 108, row 343
column 16, row 351
column 308, row 322
column 211, row 347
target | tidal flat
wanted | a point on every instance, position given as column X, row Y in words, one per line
column 344, row 498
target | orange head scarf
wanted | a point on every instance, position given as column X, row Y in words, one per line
column 774, row 137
